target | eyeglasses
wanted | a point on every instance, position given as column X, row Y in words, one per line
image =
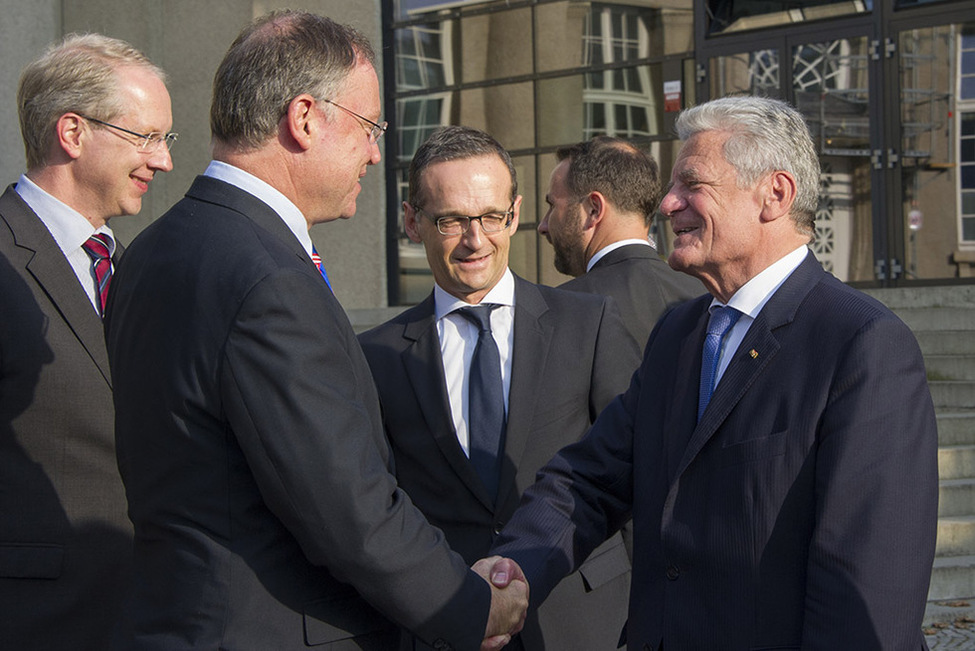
column 150, row 141
column 378, row 128
column 491, row 222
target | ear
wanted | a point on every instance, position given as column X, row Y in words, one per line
column 301, row 120
column 514, row 220
column 780, row 193
column 70, row 129
column 410, row 224
column 595, row 206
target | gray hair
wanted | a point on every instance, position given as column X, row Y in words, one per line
column 456, row 143
column 75, row 75
column 765, row 135
column 628, row 177
column 274, row 59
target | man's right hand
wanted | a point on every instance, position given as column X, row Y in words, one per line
column 509, row 604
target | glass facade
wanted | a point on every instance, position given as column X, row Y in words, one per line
column 887, row 87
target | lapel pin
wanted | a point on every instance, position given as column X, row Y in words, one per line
column 753, row 353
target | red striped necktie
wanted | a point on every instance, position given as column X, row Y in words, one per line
column 317, row 259
column 99, row 249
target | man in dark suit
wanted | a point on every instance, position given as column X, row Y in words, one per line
column 560, row 357
column 65, row 541
column 248, row 427
column 601, row 199
column 778, row 456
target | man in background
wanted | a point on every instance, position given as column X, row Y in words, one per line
column 95, row 117
column 601, row 199
column 487, row 378
column 248, row 428
column 777, row 457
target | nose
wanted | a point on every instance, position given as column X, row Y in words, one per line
column 671, row 203
column 542, row 227
column 472, row 238
column 374, row 154
column 161, row 160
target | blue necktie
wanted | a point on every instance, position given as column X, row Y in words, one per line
column 486, row 420
column 317, row 259
column 721, row 321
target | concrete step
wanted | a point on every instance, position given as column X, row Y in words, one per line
column 952, row 577
column 928, row 319
column 956, row 536
column 956, row 497
column 956, row 462
column 953, row 394
column 946, row 295
column 951, row 367
column 946, row 342
column 956, row 427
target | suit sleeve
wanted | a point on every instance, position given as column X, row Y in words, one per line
column 299, row 398
column 876, row 497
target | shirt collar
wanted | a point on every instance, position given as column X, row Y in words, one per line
column 282, row 205
column 753, row 295
column 67, row 226
column 503, row 293
column 601, row 253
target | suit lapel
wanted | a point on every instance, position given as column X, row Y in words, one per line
column 50, row 269
column 528, row 356
column 755, row 352
column 424, row 367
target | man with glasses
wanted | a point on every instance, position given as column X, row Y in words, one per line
column 487, row 378
column 95, row 116
column 249, row 434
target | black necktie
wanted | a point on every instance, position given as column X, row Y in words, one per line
column 485, row 421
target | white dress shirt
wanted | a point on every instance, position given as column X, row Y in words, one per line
column 70, row 231
column 612, row 247
column 458, row 338
column 282, row 205
column 750, row 299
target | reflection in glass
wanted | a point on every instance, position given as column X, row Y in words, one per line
column 937, row 162
column 741, row 15
column 571, row 108
column 420, row 60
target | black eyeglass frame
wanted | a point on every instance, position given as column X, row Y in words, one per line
column 465, row 220
column 147, row 138
column 378, row 128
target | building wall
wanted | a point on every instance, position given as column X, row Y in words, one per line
column 188, row 39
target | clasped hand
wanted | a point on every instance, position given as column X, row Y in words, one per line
column 509, row 600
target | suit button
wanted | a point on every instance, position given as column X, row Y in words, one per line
column 442, row 644
column 673, row 572
column 498, row 526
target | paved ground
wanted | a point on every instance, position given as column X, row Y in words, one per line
column 952, row 626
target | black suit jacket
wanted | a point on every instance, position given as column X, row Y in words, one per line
column 800, row 512
column 251, row 447
column 65, row 542
column 642, row 285
column 570, row 357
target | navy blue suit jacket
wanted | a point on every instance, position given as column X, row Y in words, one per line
column 252, row 451
column 800, row 512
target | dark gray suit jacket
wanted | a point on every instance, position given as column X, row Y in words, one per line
column 65, row 541
column 571, row 356
column 800, row 512
column 251, row 446
column 642, row 284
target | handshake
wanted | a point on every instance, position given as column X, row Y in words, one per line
column 509, row 600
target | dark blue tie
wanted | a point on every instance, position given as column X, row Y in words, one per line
column 721, row 321
column 317, row 259
column 485, row 418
